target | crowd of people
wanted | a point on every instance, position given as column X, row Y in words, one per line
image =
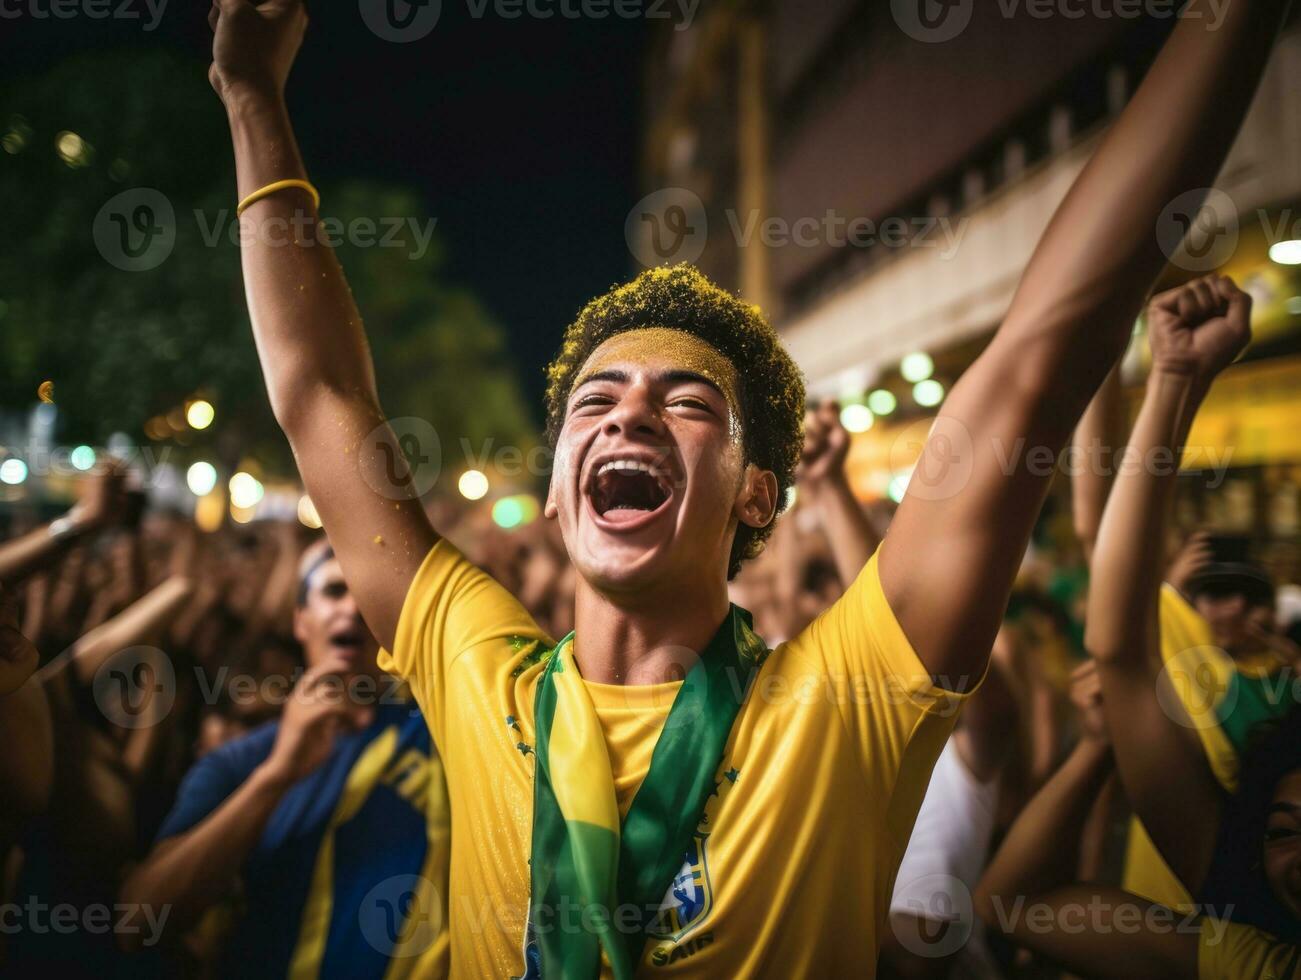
column 664, row 730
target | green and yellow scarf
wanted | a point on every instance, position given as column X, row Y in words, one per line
column 596, row 884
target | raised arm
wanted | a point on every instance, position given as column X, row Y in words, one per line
column 1097, row 442
column 822, row 478
column 101, row 507
column 309, row 334
column 1092, row 931
column 950, row 557
column 1196, row 332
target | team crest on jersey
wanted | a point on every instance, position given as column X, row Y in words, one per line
column 690, row 897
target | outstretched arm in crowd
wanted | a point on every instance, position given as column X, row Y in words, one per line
column 309, row 334
column 1196, row 331
column 956, row 543
column 200, row 866
column 103, row 505
column 26, row 764
column 1028, row 893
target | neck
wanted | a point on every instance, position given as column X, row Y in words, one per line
column 643, row 638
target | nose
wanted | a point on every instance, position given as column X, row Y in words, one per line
column 636, row 412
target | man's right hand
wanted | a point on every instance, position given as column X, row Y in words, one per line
column 320, row 707
column 1199, row 328
column 254, row 45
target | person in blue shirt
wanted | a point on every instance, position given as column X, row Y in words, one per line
column 330, row 825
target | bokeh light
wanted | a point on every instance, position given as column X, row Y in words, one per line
column 473, row 484
column 917, row 367
column 82, row 458
column 307, row 515
column 882, row 402
column 928, row 394
column 201, row 477
column 245, row 492
column 199, row 414
column 13, row 471
column 856, row 418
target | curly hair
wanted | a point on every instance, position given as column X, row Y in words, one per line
column 771, row 386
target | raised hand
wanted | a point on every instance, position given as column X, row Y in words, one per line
column 1199, row 328
column 254, row 45
column 826, row 445
column 1086, row 696
column 1191, row 558
column 319, row 709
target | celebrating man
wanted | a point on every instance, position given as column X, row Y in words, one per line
column 334, row 817
column 658, row 791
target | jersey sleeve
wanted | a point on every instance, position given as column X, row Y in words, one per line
column 1201, row 676
column 1228, row 951
column 898, row 717
column 452, row 606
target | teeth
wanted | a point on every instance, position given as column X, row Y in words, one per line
column 627, row 465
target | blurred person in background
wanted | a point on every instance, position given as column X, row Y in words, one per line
column 330, row 825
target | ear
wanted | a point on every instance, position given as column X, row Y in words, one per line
column 300, row 626
column 549, row 510
column 756, row 504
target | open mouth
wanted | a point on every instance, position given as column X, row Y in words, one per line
column 348, row 642
column 628, row 492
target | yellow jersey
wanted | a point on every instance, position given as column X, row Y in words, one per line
column 1226, row 951
column 793, row 862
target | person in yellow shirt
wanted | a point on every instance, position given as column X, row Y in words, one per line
column 1239, row 853
column 658, row 792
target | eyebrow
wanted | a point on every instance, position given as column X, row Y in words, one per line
column 677, row 376
column 1284, row 807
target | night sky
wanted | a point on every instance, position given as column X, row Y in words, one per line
column 522, row 135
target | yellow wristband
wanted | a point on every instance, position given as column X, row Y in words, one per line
column 279, row 185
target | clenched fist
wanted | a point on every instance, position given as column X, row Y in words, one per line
column 1199, row 328
column 254, row 45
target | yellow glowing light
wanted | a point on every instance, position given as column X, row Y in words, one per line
column 210, row 511
column 882, row 402
column 245, row 491
column 857, row 418
column 307, row 515
column 241, row 515
column 917, row 367
column 1286, row 253
column 73, row 150
column 199, row 414
column 473, row 484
